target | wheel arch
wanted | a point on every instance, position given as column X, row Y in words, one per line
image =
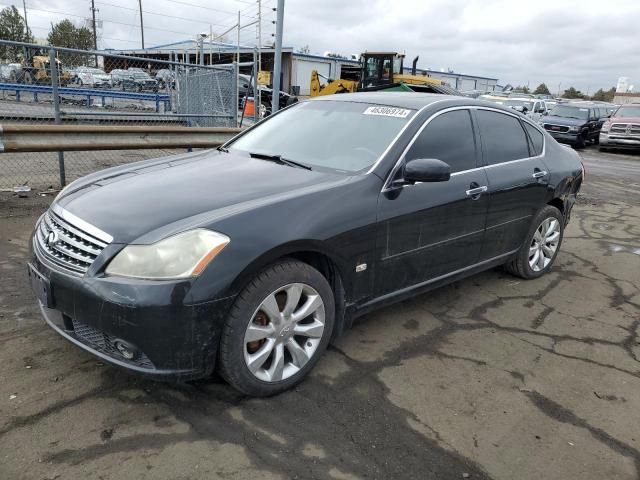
column 314, row 253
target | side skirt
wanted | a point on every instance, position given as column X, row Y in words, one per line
column 354, row 311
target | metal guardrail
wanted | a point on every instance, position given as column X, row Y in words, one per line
column 88, row 93
column 54, row 138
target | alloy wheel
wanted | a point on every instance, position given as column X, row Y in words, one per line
column 544, row 244
column 284, row 332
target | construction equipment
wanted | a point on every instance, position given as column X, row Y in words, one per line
column 36, row 69
column 378, row 71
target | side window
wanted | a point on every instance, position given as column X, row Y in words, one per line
column 503, row 137
column 448, row 137
column 537, row 139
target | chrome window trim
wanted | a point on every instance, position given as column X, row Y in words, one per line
column 81, row 224
column 386, row 186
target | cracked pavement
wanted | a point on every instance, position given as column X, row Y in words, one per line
column 490, row 377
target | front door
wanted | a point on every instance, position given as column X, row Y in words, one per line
column 427, row 230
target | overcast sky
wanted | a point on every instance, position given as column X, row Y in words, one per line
column 584, row 43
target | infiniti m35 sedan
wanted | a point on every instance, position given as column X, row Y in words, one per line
column 251, row 258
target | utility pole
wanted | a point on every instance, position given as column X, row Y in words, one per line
column 141, row 24
column 26, row 24
column 277, row 67
column 95, row 34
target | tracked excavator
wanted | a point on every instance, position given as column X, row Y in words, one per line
column 378, row 71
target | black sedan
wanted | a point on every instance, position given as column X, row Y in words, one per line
column 251, row 258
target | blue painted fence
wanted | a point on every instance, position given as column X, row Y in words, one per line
column 158, row 98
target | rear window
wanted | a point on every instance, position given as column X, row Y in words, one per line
column 503, row 137
column 536, row 137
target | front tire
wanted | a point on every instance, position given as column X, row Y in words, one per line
column 542, row 244
column 277, row 329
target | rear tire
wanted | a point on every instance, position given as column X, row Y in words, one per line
column 541, row 246
column 277, row 329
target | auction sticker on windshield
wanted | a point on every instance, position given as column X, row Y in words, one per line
column 388, row 112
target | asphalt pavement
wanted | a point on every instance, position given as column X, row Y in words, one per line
column 490, row 377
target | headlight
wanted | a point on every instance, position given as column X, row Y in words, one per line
column 181, row 256
column 605, row 127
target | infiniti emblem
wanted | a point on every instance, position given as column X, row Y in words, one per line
column 52, row 238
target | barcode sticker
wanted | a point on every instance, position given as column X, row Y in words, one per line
column 388, row 112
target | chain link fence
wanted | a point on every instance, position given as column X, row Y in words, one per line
column 50, row 85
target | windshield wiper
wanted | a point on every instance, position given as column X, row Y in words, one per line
column 279, row 159
column 222, row 149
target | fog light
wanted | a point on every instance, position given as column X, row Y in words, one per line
column 126, row 350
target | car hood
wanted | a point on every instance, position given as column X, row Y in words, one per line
column 624, row 119
column 569, row 122
column 149, row 200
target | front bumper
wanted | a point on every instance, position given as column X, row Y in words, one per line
column 569, row 137
column 170, row 339
column 618, row 141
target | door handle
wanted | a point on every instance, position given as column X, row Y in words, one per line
column 539, row 174
column 475, row 192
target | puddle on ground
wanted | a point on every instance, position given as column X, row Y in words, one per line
column 621, row 248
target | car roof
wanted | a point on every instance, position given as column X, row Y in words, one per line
column 413, row 100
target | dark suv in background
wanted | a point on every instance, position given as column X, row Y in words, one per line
column 575, row 123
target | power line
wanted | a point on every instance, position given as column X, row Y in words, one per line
column 200, row 6
column 147, row 12
column 106, row 21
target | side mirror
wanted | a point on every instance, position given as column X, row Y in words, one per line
column 426, row 170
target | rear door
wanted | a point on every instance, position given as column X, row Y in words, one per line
column 428, row 230
column 518, row 179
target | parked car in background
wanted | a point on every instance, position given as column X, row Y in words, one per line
column 622, row 129
column 134, row 80
column 251, row 258
column 165, row 78
column 575, row 123
column 10, row 72
column 531, row 107
column 91, row 77
column 549, row 104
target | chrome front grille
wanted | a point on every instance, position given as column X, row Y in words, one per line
column 66, row 245
column 556, row 128
column 627, row 129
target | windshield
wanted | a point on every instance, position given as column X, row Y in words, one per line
column 570, row 112
column 628, row 112
column 343, row 136
column 95, row 71
column 519, row 103
column 139, row 75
